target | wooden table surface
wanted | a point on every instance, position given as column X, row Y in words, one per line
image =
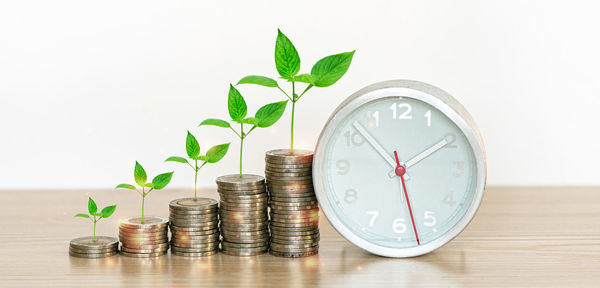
column 520, row 237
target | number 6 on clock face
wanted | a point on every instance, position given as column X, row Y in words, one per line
column 370, row 145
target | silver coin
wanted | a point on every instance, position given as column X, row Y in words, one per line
column 195, row 250
column 300, row 175
column 236, row 180
column 283, row 167
column 204, row 246
column 293, row 254
column 157, row 233
column 293, row 204
column 193, row 216
column 285, row 155
column 100, row 242
column 90, row 256
column 186, row 204
column 194, row 223
column 192, row 230
column 244, row 245
column 311, row 198
column 244, row 227
column 281, row 247
column 199, row 213
column 195, row 239
column 244, row 197
column 145, row 246
column 288, row 230
column 253, row 210
column 300, row 239
column 203, row 254
column 303, row 214
column 143, row 255
column 92, row 251
column 291, row 187
column 245, row 202
column 150, row 222
column 146, row 251
column 243, row 253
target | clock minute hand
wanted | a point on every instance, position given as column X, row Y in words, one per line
column 437, row 146
column 388, row 158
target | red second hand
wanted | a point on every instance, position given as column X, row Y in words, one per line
column 400, row 171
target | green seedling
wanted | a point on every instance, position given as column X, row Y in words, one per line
column 95, row 216
column 159, row 182
column 264, row 117
column 324, row 73
column 192, row 148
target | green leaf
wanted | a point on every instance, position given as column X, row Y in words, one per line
column 162, row 180
column 97, row 214
column 216, row 153
column 139, row 174
column 191, row 146
column 125, row 186
column 177, row 159
column 287, row 60
column 258, row 80
column 250, row 120
column 149, row 185
column 305, row 78
column 215, row 122
column 82, row 215
column 236, row 105
column 201, row 158
column 270, row 113
column 108, row 210
column 92, row 208
column 331, row 68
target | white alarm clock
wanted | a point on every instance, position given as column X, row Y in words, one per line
column 399, row 169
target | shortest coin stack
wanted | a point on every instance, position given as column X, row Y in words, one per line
column 243, row 211
column 294, row 207
column 144, row 239
column 88, row 247
column 194, row 227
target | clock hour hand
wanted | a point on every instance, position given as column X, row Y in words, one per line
column 437, row 146
column 388, row 158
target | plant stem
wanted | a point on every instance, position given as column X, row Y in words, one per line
column 293, row 109
column 195, row 178
column 292, row 127
column 241, row 146
column 143, row 198
column 94, row 234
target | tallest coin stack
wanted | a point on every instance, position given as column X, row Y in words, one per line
column 294, row 208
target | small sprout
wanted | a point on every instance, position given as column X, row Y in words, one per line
column 264, row 117
column 324, row 73
column 192, row 148
column 95, row 216
column 139, row 174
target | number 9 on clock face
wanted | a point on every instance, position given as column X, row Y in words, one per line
column 399, row 169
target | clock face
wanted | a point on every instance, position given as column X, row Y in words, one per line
column 363, row 184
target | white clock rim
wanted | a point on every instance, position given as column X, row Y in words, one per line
column 433, row 96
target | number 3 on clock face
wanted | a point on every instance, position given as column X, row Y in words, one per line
column 435, row 193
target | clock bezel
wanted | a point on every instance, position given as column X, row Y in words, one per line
column 433, row 96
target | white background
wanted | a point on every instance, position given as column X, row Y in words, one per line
column 88, row 87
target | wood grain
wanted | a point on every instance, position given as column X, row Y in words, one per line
column 520, row 237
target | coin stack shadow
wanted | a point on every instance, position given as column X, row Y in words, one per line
column 144, row 239
column 88, row 247
column 294, row 211
column 194, row 227
column 243, row 212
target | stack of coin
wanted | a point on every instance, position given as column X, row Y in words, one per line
column 90, row 247
column 294, row 208
column 243, row 211
column 144, row 239
column 194, row 227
